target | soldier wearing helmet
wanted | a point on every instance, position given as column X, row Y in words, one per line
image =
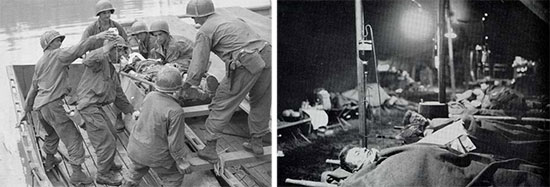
column 140, row 36
column 170, row 51
column 46, row 96
column 103, row 9
column 157, row 140
column 248, row 62
column 100, row 86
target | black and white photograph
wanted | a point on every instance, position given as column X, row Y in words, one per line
column 136, row 93
column 261, row 93
column 413, row 93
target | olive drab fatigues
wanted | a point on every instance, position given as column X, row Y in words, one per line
column 96, row 28
column 177, row 53
column 248, row 64
column 144, row 47
column 158, row 140
column 100, row 86
column 50, row 84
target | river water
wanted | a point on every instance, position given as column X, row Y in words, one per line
column 23, row 21
column 21, row 24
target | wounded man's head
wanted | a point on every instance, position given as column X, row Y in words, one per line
column 353, row 157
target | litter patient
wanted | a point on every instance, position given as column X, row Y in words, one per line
column 157, row 48
column 505, row 155
column 434, row 165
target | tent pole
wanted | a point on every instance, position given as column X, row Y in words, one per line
column 359, row 26
column 441, row 51
column 450, row 47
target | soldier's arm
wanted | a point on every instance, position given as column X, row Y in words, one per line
column 201, row 56
column 87, row 32
column 70, row 54
column 176, row 135
column 33, row 91
column 186, row 48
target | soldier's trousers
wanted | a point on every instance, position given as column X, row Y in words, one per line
column 57, row 124
column 168, row 176
column 102, row 135
column 233, row 90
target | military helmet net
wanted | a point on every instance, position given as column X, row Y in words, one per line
column 47, row 38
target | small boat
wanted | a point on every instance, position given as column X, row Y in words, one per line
column 241, row 168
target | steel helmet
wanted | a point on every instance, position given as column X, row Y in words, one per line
column 138, row 27
column 160, row 25
column 48, row 38
column 103, row 5
column 168, row 80
column 199, row 8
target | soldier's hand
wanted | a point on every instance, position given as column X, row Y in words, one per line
column 106, row 35
column 185, row 167
column 136, row 114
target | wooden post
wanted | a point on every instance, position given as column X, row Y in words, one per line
column 450, row 45
column 359, row 26
column 440, row 51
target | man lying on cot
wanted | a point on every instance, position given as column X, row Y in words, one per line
column 435, row 165
column 504, row 155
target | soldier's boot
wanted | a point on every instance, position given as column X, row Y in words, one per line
column 109, row 178
column 50, row 162
column 78, row 177
column 209, row 152
column 254, row 145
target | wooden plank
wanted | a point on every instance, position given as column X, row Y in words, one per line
column 28, row 139
column 193, row 138
column 233, row 143
column 194, row 111
column 231, row 159
column 256, row 176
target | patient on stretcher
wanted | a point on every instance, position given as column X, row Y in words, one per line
column 147, row 69
column 503, row 155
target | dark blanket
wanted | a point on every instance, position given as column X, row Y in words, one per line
column 431, row 165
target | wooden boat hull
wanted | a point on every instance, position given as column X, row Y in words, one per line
column 250, row 174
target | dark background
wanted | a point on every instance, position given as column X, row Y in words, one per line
column 316, row 41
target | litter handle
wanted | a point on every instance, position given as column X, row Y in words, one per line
column 309, row 183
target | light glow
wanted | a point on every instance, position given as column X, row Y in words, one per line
column 417, row 24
